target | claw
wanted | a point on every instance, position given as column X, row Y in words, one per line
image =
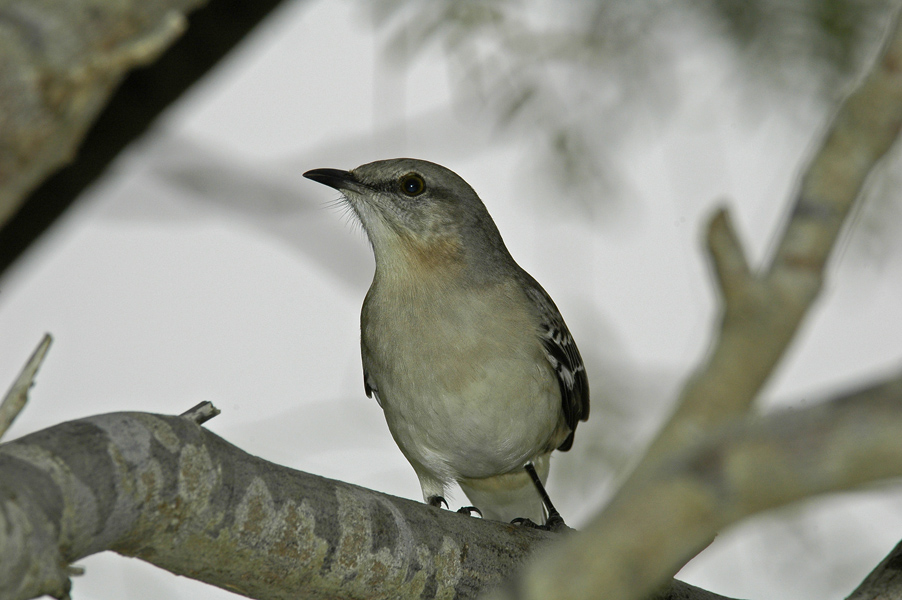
column 437, row 501
column 524, row 522
column 469, row 510
column 555, row 524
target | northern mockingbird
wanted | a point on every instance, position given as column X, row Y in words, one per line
column 467, row 355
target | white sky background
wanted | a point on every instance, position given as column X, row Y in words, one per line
column 204, row 267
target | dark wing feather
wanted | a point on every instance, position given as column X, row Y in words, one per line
column 562, row 353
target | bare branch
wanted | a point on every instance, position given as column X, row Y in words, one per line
column 762, row 312
column 60, row 35
column 173, row 494
column 17, row 396
column 730, row 264
column 670, row 509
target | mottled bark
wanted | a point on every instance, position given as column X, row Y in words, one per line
column 167, row 491
column 163, row 489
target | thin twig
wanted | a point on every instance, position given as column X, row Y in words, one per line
column 201, row 413
column 17, row 396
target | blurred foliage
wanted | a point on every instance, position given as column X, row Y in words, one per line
column 578, row 76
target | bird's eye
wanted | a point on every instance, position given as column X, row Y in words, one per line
column 412, row 184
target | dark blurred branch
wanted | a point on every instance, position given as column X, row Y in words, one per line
column 55, row 80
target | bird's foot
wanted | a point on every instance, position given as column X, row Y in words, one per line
column 554, row 523
column 527, row 523
column 469, row 510
column 437, row 501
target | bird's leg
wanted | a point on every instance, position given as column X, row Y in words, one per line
column 554, row 522
column 554, row 517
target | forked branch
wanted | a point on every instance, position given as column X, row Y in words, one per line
column 690, row 482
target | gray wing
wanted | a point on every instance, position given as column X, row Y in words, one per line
column 563, row 355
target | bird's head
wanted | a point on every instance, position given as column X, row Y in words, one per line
column 414, row 210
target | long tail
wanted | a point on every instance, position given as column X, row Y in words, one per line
column 509, row 496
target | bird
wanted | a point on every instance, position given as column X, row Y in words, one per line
column 467, row 355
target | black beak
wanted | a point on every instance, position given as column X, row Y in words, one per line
column 334, row 178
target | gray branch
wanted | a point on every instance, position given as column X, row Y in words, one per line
column 163, row 489
column 743, row 468
column 762, row 311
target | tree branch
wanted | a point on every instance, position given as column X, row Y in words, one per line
column 171, row 493
column 745, row 468
column 666, row 512
column 762, row 312
column 60, row 62
column 164, row 490
column 201, row 413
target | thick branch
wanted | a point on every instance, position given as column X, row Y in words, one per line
column 665, row 514
column 169, row 492
column 668, row 511
column 747, row 467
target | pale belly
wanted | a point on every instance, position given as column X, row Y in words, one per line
column 465, row 394
column 492, row 425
